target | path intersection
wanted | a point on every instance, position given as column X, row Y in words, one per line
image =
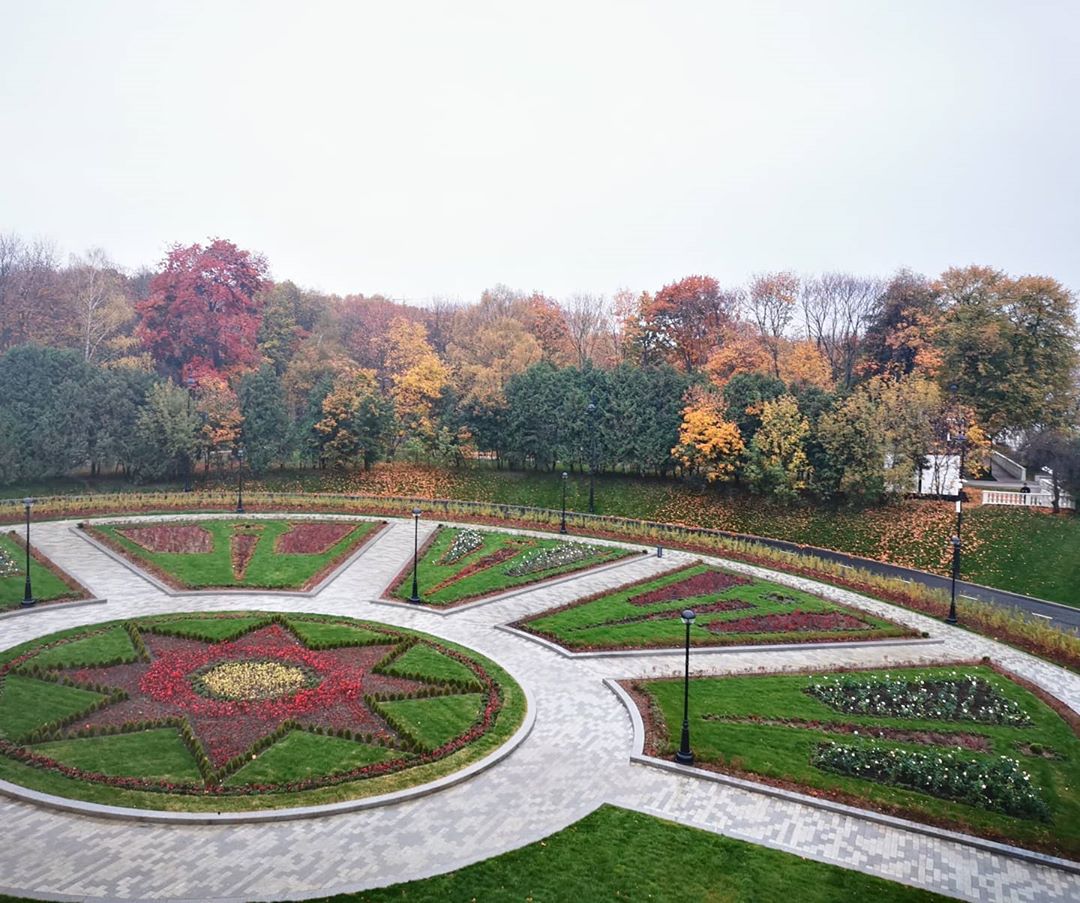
column 576, row 757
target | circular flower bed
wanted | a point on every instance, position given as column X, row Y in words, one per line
column 239, row 710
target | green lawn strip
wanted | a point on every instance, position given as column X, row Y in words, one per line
column 211, row 629
column 506, row 723
column 324, row 635
column 45, row 584
column 424, row 661
column 783, row 753
column 435, row 720
column 588, row 624
column 303, row 754
column 491, row 579
column 158, row 753
column 617, row 854
column 27, row 703
column 266, row 569
column 111, row 645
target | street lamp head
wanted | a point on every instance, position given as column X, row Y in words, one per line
column 28, row 502
column 955, row 540
column 591, row 408
column 565, row 474
column 416, row 512
column 688, row 617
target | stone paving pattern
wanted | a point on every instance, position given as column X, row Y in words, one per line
column 576, row 758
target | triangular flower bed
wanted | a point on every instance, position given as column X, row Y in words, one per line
column 730, row 610
column 237, row 553
column 459, row 565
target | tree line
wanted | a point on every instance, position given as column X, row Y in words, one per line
column 835, row 386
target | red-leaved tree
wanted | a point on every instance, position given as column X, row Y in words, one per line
column 688, row 316
column 202, row 314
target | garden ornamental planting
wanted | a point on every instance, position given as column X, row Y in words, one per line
column 167, row 710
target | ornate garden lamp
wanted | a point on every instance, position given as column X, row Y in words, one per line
column 684, row 756
column 562, row 524
column 28, row 592
column 415, row 597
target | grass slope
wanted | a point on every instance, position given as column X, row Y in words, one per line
column 146, row 754
column 721, row 737
column 301, row 754
column 616, row 854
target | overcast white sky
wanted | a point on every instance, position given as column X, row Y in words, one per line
column 435, row 148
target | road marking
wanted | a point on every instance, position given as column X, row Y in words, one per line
column 1045, row 617
column 966, row 596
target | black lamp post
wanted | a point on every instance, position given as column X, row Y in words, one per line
column 684, row 756
column 562, row 525
column 961, row 430
column 28, row 592
column 591, row 408
column 190, row 383
column 951, row 619
column 415, row 597
column 240, row 481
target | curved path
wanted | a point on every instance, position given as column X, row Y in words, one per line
column 576, row 758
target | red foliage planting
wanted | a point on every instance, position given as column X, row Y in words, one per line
column 179, row 539
column 488, row 561
column 795, row 622
column 722, row 605
column 312, row 538
column 701, row 584
column 243, row 547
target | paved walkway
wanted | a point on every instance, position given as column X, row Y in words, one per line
column 576, row 758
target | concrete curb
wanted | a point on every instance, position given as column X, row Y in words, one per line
column 49, row 606
column 638, row 757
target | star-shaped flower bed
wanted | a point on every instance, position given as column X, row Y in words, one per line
column 228, row 704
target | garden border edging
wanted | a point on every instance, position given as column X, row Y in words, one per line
column 637, row 756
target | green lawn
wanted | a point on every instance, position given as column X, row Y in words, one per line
column 621, row 619
column 494, row 562
column 45, row 584
column 770, row 726
column 267, row 568
column 617, row 854
column 430, row 692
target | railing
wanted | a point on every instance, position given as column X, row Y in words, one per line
column 1026, row 499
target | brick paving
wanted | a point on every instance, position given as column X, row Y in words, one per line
column 576, row 758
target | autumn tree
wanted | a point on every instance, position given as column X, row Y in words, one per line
column 803, row 365
column 166, row 433
column 709, row 446
column 203, row 311
column 837, row 310
column 219, row 410
column 418, row 378
column 586, row 316
column 901, row 332
column 778, row 464
column 687, row 317
column 264, row 417
column 356, row 421
column 740, row 350
column 771, row 302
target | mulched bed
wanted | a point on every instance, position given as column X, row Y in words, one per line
column 795, row 622
column 242, row 546
column 312, row 538
column 488, row 561
column 179, row 539
column 668, row 613
column 703, row 584
column 962, row 739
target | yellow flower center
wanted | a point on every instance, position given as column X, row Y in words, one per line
column 253, row 680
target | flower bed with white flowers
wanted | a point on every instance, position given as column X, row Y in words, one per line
column 964, row 746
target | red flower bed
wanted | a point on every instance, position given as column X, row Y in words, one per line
column 243, row 547
column 702, row 584
column 312, row 538
column 795, row 622
column 179, row 539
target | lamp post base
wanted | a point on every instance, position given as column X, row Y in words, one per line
column 684, row 756
column 950, row 619
column 29, row 603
